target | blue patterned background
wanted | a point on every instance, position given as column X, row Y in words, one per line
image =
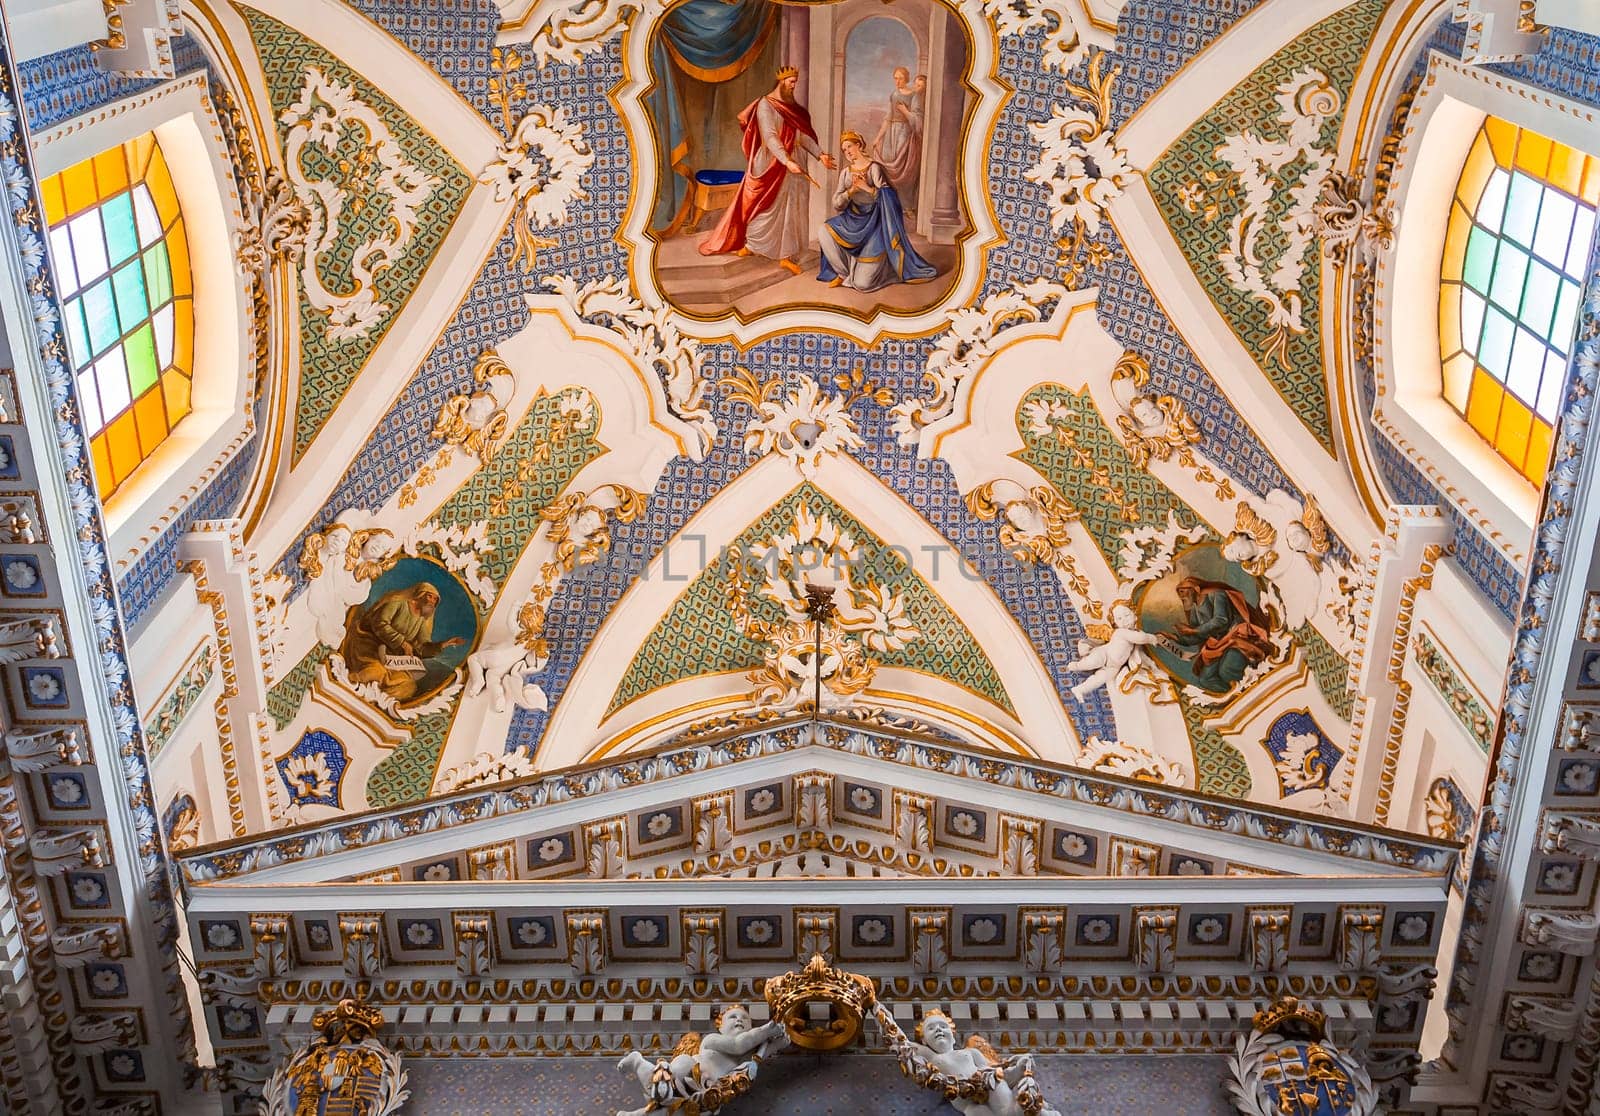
column 797, row 1084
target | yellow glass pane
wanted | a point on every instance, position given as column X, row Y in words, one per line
column 1475, row 174
column 1566, row 168
column 160, row 183
column 1455, row 242
column 104, row 482
column 1502, row 137
column 1533, row 153
column 178, row 253
column 1538, row 462
column 150, row 415
column 1512, row 437
column 1458, row 380
column 176, row 387
column 55, row 200
column 1449, row 318
column 1483, row 404
column 1591, row 181
column 137, row 151
column 78, row 182
column 123, row 438
column 110, row 172
column 183, row 335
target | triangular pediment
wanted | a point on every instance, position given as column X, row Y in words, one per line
column 826, row 799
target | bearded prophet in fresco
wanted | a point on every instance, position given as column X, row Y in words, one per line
column 1210, row 624
column 1223, row 635
column 391, row 641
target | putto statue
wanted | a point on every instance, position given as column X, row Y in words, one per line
column 973, row 1078
column 705, row 1072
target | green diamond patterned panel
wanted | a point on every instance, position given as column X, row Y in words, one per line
column 283, row 700
column 1331, row 669
column 697, row 636
column 368, row 213
column 525, row 475
column 1086, row 463
column 407, row 773
column 1201, row 196
column 1219, row 768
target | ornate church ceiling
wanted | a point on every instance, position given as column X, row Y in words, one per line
column 576, row 438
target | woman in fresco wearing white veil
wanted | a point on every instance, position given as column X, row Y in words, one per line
column 899, row 139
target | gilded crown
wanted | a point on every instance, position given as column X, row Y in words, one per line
column 848, row 996
column 1291, row 1018
column 348, row 1021
column 788, row 72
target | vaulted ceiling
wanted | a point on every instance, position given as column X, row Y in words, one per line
column 619, row 464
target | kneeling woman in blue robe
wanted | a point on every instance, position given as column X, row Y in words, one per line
column 866, row 246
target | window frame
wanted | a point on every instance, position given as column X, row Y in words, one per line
column 221, row 418
column 1410, row 409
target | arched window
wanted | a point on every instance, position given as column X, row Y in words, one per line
column 122, row 262
column 1515, row 253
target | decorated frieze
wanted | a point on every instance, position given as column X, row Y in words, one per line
column 882, row 751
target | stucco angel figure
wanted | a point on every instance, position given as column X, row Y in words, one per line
column 974, row 1078
column 1287, row 542
column 705, row 1072
column 1118, row 658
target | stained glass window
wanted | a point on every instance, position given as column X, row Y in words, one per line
column 122, row 263
column 1515, row 253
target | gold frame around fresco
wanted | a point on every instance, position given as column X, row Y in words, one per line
column 980, row 232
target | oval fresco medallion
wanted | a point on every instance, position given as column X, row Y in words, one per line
column 1215, row 630
column 411, row 635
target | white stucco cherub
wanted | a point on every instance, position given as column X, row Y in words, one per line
column 503, row 670
column 708, row 1070
column 1118, row 657
column 340, row 562
column 985, row 1084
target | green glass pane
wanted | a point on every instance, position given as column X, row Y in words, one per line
column 1510, row 269
column 1566, row 317
column 158, row 274
column 1480, row 260
column 77, row 335
column 1539, row 299
column 129, row 283
column 1522, row 208
column 142, row 368
column 122, row 238
column 1495, row 352
column 101, row 316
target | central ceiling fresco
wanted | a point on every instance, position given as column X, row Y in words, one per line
column 627, row 334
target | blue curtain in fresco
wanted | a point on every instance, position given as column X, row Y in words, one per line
column 711, row 41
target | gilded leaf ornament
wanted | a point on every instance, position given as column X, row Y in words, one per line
column 1281, row 175
column 1082, row 167
column 541, row 162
